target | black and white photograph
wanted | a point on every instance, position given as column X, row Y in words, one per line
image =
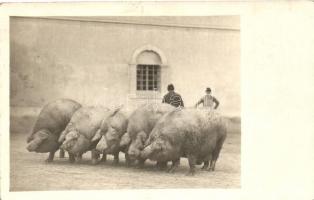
column 157, row 100
column 125, row 102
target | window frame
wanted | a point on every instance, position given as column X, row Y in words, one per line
column 148, row 77
column 139, row 95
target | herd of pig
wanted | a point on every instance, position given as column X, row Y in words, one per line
column 156, row 131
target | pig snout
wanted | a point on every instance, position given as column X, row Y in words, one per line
column 147, row 151
column 125, row 140
column 64, row 146
column 29, row 139
column 134, row 153
column 32, row 146
column 102, row 145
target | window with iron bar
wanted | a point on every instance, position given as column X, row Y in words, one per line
column 148, row 77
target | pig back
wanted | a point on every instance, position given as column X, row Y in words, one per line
column 87, row 120
column 146, row 116
column 56, row 115
column 202, row 134
column 175, row 126
column 189, row 128
column 119, row 122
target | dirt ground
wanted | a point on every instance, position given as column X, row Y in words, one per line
column 29, row 172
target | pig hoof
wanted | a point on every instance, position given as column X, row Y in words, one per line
column 161, row 168
column 115, row 163
column 170, row 170
column 210, row 169
column 203, row 168
column 190, row 173
column 95, row 162
column 61, row 155
column 48, row 161
column 139, row 166
column 78, row 161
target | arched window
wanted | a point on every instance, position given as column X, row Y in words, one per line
column 148, row 71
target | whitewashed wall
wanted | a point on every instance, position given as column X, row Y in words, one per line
column 90, row 61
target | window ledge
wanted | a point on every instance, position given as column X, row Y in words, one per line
column 146, row 95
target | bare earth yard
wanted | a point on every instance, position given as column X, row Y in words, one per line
column 29, row 172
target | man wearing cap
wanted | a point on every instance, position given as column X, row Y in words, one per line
column 208, row 100
column 173, row 98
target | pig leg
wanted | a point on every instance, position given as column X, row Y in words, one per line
column 140, row 163
column 212, row 165
column 95, row 156
column 205, row 166
column 127, row 159
column 116, row 158
column 50, row 157
column 174, row 166
column 71, row 158
column 161, row 165
column 61, row 153
column 103, row 158
column 79, row 158
column 192, row 162
column 215, row 155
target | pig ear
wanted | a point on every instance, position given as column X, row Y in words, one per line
column 97, row 136
column 104, row 125
column 158, row 146
column 42, row 134
column 72, row 134
column 147, row 142
column 29, row 138
column 62, row 136
column 143, row 136
column 125, row 139
column 116, row 110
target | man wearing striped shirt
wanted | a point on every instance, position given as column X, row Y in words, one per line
column 173, row 98
column 208, row 100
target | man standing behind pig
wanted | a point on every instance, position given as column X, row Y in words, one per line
column 173, row 98
column 208, row 101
